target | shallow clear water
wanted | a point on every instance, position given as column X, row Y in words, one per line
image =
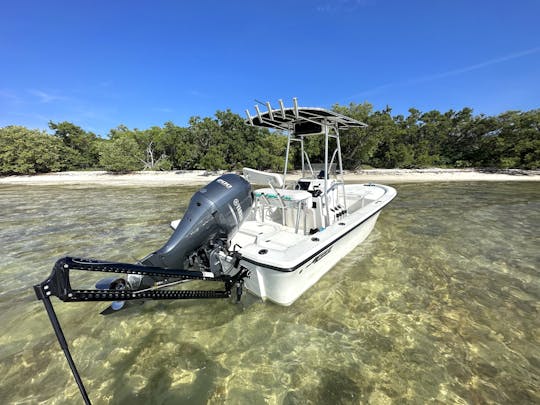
column 440, row 305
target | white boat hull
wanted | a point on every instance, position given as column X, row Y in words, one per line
column 285, row 287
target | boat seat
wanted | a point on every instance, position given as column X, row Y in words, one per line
column 259, row 177
column 290, row 198
column 294, row 204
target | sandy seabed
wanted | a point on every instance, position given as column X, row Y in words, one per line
column 197, row 177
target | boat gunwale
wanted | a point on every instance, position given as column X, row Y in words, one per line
column 319, row 251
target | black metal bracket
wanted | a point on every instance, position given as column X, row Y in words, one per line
column 58, row 285
column 63, row 344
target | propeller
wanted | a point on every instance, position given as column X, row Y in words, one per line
column 112, row 283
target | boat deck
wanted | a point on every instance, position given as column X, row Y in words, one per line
column 279, row 246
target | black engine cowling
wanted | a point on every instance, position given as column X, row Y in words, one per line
column 215, row 213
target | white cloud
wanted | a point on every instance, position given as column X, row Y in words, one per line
column 342, row 5
column 164, row 110
column 45, row 97
column 10, row 96
column 197, row 93
column 449, row 73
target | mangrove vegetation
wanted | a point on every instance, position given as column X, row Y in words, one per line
column 419, row 139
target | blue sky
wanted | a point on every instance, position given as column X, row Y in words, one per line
column 100, row 64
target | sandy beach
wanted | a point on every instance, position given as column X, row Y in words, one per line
column 198, row 177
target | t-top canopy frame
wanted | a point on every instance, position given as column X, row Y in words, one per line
column 301, row 120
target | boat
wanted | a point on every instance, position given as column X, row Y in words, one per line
column 270, row 233
column 297, row 231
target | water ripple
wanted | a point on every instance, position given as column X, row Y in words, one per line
column 440, row 305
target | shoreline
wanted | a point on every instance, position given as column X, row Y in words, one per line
column 201, row 177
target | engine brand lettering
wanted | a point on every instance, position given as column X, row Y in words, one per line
column 224, row 183
column 238, row 208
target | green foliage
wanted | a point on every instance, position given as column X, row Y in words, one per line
column 450, row 139
column 213, row 159
column 225, row 142
column 81, row 146
column 518, row 140
column 357, row 144
column 121, row 154
column 29, row 151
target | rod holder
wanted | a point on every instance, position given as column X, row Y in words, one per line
column 282, row 107
column 258, row 112
column 269, row 110
column 249, row 117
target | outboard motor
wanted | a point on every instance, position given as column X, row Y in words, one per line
column 214, row 214
column 199, row 242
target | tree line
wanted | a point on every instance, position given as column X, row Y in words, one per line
column 224, row 141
